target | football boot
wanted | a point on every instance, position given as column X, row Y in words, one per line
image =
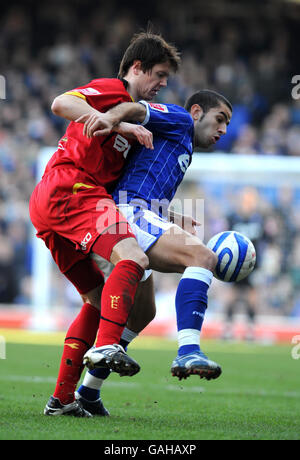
column 111, row 357
column 93, row 407
column 195, row 363
column 75, row 409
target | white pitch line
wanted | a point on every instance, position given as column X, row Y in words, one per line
column 27, row 379
column 164, row 387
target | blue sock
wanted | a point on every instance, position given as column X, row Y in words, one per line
column 88, row 393
column 191, row 304
column 90, row 387
column 124, row 344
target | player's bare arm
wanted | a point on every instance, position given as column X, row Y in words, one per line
column 97, row 123
column 130, row 130
column 71, row 107
column 74, row 108
column 127, row 111
column 112, row 120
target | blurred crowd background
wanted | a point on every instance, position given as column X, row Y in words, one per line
column 245, row 50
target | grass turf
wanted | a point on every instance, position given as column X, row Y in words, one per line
column 256, row 397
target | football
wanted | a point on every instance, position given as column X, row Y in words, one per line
column 236, row 255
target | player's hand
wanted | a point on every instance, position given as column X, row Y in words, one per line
column 96, row 124
column 138, row 132
column 187, row 223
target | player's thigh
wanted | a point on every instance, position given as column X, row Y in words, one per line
column 176, row 249
column 144, row 309
column 78, row 268
column 88, row 280
column 76, row 209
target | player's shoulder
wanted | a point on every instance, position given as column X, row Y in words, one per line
column 108, row 83
column 105, row 88
column 173, row 110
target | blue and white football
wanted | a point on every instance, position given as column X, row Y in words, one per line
column 236, row 255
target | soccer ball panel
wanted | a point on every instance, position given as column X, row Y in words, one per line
column 236, row 255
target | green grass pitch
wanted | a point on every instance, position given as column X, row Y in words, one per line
column 256, row 397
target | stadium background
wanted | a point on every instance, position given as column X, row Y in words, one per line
column 245, row 50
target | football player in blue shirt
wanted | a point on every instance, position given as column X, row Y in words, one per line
column 143, row 195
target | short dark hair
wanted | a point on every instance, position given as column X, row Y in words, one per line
column 207, row 99
column 150, row 49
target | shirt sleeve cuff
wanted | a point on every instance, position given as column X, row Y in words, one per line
column 76, row 93
column 147, row 117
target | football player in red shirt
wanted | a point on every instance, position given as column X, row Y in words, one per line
column 77, row 219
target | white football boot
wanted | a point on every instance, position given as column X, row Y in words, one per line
column 111, row 357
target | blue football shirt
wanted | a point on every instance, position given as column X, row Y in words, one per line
column 151, row 175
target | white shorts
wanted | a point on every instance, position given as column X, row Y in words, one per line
column 147, row 227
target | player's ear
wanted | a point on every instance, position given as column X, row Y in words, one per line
column 136, row 67
column 196, row 112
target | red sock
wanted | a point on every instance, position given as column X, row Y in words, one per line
column 117, row 300
column 80, row 337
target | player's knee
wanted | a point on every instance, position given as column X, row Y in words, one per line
column 128, row 249
column 139, row 257
column 142, row 260
column 93, row 297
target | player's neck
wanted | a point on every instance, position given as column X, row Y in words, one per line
column 133, row 93
column 131, row 87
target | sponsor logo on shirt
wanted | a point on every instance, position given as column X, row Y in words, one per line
column 159, row 107
column 122, row 145
column 89, row 91
column 85, row 241
column 60, row 144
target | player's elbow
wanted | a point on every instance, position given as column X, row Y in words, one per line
column 58, row 106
